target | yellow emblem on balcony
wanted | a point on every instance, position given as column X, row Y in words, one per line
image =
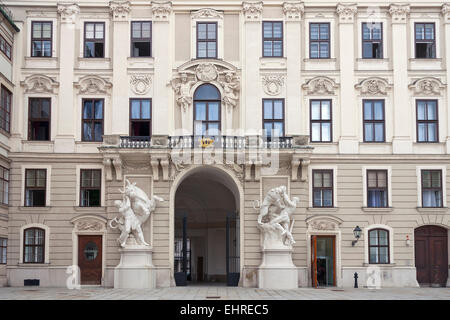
column 206, row 142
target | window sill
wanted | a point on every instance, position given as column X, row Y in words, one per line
column 89, row 142
column 23, row 208
column 370, row 209
column 379, row 60
column 323, row 209
column 319, row 60
column 425, row 59
column 379, row 265
column 38, row 142
column 41, row 58
column 431, row 209
column 89, row 209
column 33, row 265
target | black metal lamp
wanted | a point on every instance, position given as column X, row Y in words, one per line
column 357, row 234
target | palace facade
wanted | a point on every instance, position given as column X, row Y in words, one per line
column 209, row 105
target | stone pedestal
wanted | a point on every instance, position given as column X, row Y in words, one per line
column 277, row 271
column 135, row 270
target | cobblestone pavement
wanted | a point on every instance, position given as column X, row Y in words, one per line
column 222, row 293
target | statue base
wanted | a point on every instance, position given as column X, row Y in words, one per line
column 277, row 271
column 135, row 270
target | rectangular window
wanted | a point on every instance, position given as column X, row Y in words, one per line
column 272, row 39
column 141, row 39
column 39, row 119
column 5, row 47
column 41, row 38
column 427, row 121
column 206, row 39
column 92, row 126
column 90, row 187
column 140, row 117
column 374, row 125
column 34, row 245
column 319, row 40
column 425, row 38
column 4, row 186
column 320, row 126
column 322, row 188
column 378, row 246
column 372, row 40
column 431, row 188
column 3, row 246
column 377, row 189
column 273, row 118
column 94, row 39
column 35, row 187
column 5, row 109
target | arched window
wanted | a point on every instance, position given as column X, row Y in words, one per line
column 379, row 246
column 207, row 111
column 34, row 245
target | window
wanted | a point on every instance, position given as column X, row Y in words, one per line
column 39, row 119
column 377, row 189
column 207, row 111
column 374, row 130
column 5, row 109
column 425, row 40
column 90, row 187
column 94, row 39
column 34, row 245
column 372, row 40
column 272, row 39
column 273, row 118
column 206, row 39
column 319, row 40
column 35, row 187
column 427, row 121
column 141, row 39
column 92, row 127
column 4, row 186
column 3, row 246
column 5, row 47
column 322, row 188
column 140, row 118
column 41, row 39
column 378, row 246
column 431, row 188
column 320, row 111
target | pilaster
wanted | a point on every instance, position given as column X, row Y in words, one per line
column 446, row 19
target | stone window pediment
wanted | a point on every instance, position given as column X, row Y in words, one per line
column 323, row 223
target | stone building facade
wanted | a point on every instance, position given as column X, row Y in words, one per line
column 174, row 96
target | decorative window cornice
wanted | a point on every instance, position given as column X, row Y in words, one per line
column 373, row 86
column 92, row 84
column 428, row 86
column 207, row 13
column 320, row 86
column 293, row 11
column 252, row 10
column 39, row 84
column 161, row 10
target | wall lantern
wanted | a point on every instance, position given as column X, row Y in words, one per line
column 357, row 234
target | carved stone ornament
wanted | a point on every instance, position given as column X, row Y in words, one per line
column 89, row 225
column 322, row 225
column 237, row 169
column 91, row 84
column 346, row 12
column 207, row 13
column 119, row 10
column 446, row 11
column 161, row 10
column 68, row 12
column 373, row 87
column 206, row 72
column 140, row 83
column 427, row 86
column 320, row 86
column 39, row 84
column 293, row 10
column 272, row 84
column 399, row 12
column 252, row 10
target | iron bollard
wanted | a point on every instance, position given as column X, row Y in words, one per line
column 356, row 279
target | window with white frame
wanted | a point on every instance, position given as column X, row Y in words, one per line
column 34, row 245
column 432, row 193
column 379, row 246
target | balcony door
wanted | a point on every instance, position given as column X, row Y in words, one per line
column 207, row 119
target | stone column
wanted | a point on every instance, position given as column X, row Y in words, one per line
column 65, row 130
column 348, row 140
column 446, row 16
column 402, row 140
column 120, row 11
column 252, row 110
column 161, row 51
column 293, row 12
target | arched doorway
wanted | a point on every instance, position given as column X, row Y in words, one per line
column 207, row 111
column 207, row 228
column 431, row 255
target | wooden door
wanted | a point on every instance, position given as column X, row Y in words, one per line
column 431, row 255
column 90, row 259
column 314, row 257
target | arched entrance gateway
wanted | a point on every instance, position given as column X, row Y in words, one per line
column 206, row 227
column 431, row 255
